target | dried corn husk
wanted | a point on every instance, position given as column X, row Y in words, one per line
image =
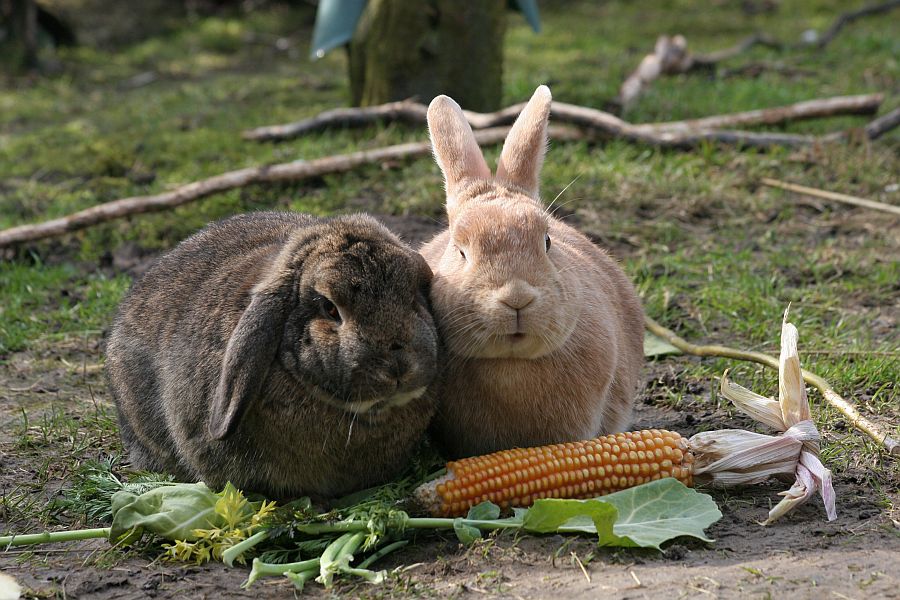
column 735, row 457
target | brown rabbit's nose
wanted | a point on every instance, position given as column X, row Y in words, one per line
column 516, row 295
column 398, row 365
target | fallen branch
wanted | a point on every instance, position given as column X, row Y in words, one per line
column 405, row 110
column 671, row 56
column 291, row 171
column 592, row 120
column 863, row 424
column 810, row 109
column 671, row 135
column 849, row 17
column 713, row 58
column 817, row 193
column 582, row 116
column 875, row 129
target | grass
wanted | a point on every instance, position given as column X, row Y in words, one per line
column 715, row 257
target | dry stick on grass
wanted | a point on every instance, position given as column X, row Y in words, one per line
column 849, row 17
column 588, row 118
column 871, row 429
column 561, row 112
column 817, row 193
column 809, row 109
column 671, row 55
column 877, row 127
column 291, row 171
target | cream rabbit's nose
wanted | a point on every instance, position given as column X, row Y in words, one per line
column 516, row 295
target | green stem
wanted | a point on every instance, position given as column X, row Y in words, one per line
column 382, row 553
column 261, row 569
column 300, row 578
column 413, row 523
column 350, row 548
column 53, row 536
column 329, row 560
column 232, row 553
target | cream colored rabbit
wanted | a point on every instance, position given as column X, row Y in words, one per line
column 543, row 328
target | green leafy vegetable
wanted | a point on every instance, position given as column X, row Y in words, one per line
column 202, row 525
column 467, row 534
column 655, row 346
column 589, row 516
column 649, row 515
column 484, row 511
column 172, row 512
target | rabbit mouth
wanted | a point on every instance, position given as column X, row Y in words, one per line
column 374, row 406
column 514, row 345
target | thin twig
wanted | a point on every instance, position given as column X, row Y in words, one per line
column 849, row 17
column 817, row 193
column 757, row 39
column 863, row 424
column 291, row 171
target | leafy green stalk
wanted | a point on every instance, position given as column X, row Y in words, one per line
column 357, row 525
column 53, row 536
column 376, row 556
column 300, row 578
column 330, row 560
column 261, row 569
column 230, row 554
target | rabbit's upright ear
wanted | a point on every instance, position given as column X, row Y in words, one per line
column 455, row 149
column 523, row 151
column 250, row 352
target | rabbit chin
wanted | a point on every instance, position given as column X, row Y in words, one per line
column 375, row 406
column 517, row 345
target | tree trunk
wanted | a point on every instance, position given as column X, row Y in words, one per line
column 403, row 49
column 22, row 19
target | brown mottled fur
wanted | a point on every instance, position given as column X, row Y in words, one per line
column 545, row 344
column 225, row 365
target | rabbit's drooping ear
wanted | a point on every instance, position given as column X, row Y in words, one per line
column 523, row 151
column 455, row 149
column 250, row 352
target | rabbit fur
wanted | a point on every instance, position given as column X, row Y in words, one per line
column 285, row 353
column 543, row 329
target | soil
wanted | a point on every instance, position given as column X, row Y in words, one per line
column 802, row 556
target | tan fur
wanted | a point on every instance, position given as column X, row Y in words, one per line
column 573, row 369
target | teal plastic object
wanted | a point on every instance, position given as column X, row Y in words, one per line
column 336, row 21
column 530, row 10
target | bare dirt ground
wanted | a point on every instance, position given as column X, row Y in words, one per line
column 803, row 556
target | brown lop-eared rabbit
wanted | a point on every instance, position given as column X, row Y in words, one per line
column 544, row 330
column 287, row 354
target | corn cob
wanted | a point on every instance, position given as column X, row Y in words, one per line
column 585, row 469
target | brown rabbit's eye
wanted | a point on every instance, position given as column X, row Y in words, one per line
column 462, row 253
column 547, row 242
column 328, row 309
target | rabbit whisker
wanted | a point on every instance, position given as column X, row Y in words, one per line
column 350, row 429
column 549, row 209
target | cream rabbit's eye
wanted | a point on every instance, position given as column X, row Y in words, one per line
column 462, row 253
column 547, row 242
